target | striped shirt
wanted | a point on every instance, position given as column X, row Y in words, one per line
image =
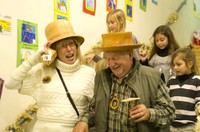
column 185, row 93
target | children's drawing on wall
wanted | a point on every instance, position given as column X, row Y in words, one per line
column 129, row 9
column 5, row 25
column 196, row 37
column 1, row 86
column 111, row 5
column 62, row 6
column 89, row 6
column 61, row 9
column 25, row 53
column 27, row 40
column 143, row 5
column 28, row 33
column 155, row 2
column 197, row 8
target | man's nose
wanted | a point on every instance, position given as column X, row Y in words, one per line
column 111, row 63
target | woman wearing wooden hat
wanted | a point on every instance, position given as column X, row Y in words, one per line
column 60, row 84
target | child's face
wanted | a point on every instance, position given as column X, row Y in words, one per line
column 112, row 25
column 161, row 41
column 181, row 67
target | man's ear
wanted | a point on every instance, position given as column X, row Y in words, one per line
column 131, row 53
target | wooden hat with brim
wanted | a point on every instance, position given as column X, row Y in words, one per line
column 117, row 41
column 61, row 29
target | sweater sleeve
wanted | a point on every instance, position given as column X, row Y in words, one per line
column 88, row 115
column 16, row 79
column 89, row 90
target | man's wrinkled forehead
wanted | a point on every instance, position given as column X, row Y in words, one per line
column 119, row 52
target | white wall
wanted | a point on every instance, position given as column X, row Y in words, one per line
column 91, row 27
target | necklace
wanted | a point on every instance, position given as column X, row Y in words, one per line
column 114, row 103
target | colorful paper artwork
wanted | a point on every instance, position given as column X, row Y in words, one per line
column 61, row 9
column 27, row 40
column 143, row 5
column 197, row 8
column 5, row 25
column 89, row 6
column 155, row 2
column 111, row 5
column 129, row 9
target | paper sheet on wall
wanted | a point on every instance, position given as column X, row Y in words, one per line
column 197, row 8
column 5, row 24
column 111, row 5
column 89, row 6
column 27, row 40
column 61, row 9
column 143, row 5
column 129, row 9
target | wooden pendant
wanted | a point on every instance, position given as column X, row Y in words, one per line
column 114, row 103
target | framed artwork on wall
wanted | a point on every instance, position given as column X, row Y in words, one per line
column 155, row 2
column 196, row 10
column 5, row 24
column 111, row 5
column 61, row 9
column 27, row 40
column 129, row 9
column 89, row 6
column 143, row 5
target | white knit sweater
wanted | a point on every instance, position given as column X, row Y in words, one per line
column 55, row 110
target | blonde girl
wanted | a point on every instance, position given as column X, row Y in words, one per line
column 116, row 22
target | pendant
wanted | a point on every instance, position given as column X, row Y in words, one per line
column 46, row 79
column 114, row 103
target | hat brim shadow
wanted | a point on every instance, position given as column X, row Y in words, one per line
column 79, row 39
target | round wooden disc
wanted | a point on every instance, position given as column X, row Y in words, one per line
column 114, row 103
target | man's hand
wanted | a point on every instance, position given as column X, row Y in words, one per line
column 81, row 127
column 139, row 113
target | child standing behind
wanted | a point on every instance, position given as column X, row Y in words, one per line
column 184, row 89
column 160, row 56
column 116, row 22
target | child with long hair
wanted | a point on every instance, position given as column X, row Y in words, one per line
column 116, row 22
column 164, row 45
column 184, row 89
